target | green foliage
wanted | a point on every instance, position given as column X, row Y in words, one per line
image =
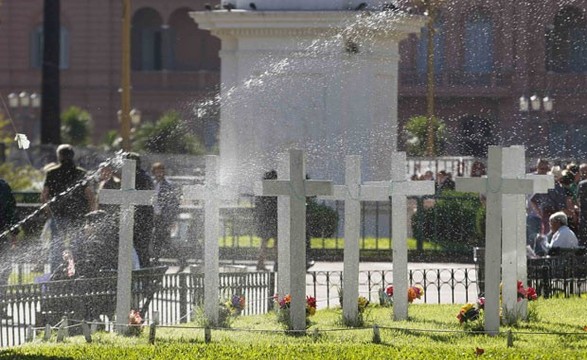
column 416, row 133
column 168, row 135
column 76, row 126
column 322, row 220
column 452, row 222
column 432, row 332
column 18, row 177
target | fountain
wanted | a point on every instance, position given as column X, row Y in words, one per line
column 311, row 75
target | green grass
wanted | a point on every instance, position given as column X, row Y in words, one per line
column 432, row 332
column 369, row 243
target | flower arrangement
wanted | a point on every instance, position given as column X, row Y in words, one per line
column 310, row 305
column 236, row 304
column 283, row 305
column 526, row 293
column 468, row 313
column 415, row 292
column 386, row 296
column 135, row 323
column 363, row 303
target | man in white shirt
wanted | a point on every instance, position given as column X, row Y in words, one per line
column 562, row 236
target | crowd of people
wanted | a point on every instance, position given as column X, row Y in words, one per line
column 85, row 232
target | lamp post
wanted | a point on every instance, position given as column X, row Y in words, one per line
column 135, row 120
column 538, row 106
column 125, row 76
column 26, row 106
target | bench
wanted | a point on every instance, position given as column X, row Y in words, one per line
column 90, row 298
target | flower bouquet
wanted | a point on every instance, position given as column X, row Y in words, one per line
column 236, row 304
column 135, row 323
column 283, row 304
column 415, row 292
column 386, row 296
column 471, row 315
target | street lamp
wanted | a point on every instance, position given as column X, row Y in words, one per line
column 26, row 105
column 135, row 120
column 535, row 104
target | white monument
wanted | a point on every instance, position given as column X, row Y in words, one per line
column 495, row 186
column 127, row 197
column 297, row 188
column 353, row 192
column 514, row 263
column 309, row 74
column 399, row 190
column 212, row 194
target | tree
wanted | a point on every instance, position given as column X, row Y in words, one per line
column 416, row 132
column 170, row 134
column 76, row 126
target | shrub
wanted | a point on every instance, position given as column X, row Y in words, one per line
column 321, row 219
column 76, row 126
column 453, row 222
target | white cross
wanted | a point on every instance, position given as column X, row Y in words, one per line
column 297, row 188
column 127, row 197
column 495, row 185
column 514, row 263
column 353, row 192
column 212, row 194
column 400, row 189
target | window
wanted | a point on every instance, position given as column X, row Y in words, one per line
column 566, row 42
column 478, row 44
column 422, row 59
column 37, row 48
column 147, row 40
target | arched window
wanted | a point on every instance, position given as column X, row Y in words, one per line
column 147, row 40
column 566, row 42
column 186, row 44
column 478, row 44
column 422, row 59
column 37, row 48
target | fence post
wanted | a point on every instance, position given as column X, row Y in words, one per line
column 86, row 331
column 376, row 335
column 153, row 327
column 47, row 335
column 271, row 291
column 418, row 233
column 510, row 339
column 183, row 297
column 30, row 333
column 207, row 334
column 62, row 331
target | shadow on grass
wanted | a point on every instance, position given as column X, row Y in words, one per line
column 11, row 354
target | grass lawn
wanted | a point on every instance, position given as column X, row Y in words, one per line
column 369, row 243
column 433, row 332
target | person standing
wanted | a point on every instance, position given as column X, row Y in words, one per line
column 143, row 227
column 73, row 198
column 266, row 221
column 165, row 208
column 7, row 220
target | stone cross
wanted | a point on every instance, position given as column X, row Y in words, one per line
column 212, row 194
column 353, row 192
column 399, row 190
column 495, row 185
column 127, row 197
column 297, row 188
column 513, row 262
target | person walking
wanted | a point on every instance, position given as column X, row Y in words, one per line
column 143, row 227
column 73, row 198
column 266, row 221
column 165, row 208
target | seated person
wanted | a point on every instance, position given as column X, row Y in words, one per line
column 560, row 236
column 97, row 250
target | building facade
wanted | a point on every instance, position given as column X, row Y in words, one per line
column 487, row 55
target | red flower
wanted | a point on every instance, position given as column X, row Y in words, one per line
column 389, row 290
column 531, row 294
